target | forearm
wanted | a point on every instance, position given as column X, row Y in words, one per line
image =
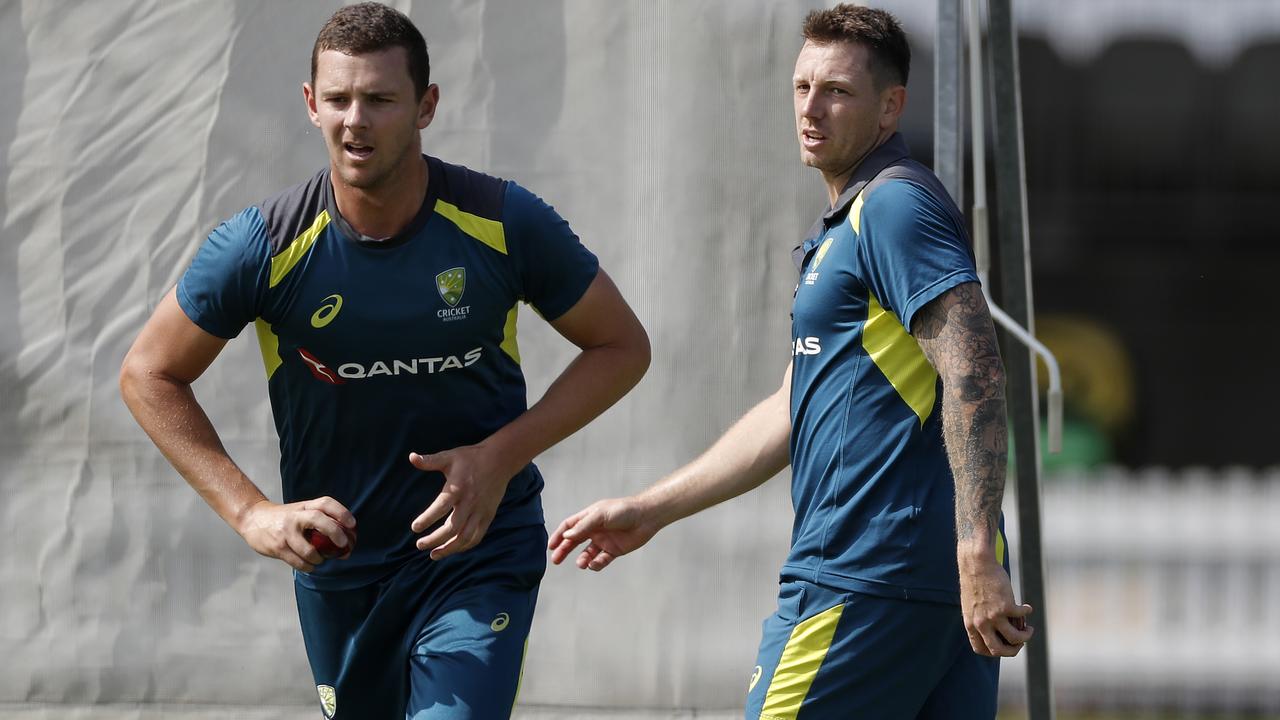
column 956, row 334
column 596, row 379
column 754, row 449
column 169, row 413
column 974, row 427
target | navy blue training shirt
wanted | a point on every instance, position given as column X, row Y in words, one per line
column 872, row 488
column 374, row 349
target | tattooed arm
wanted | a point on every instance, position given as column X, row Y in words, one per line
column 956, row 334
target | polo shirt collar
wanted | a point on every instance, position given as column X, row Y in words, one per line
column 891, row 151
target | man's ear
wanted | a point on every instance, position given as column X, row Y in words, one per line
column 427, row 106
column 309, row 95
column 893, row 100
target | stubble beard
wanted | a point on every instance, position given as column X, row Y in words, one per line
column 371, row 178
column 846, row 162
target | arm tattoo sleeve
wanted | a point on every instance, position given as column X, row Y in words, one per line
column 956, row 334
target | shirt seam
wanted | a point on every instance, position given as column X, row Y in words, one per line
column 937, row 287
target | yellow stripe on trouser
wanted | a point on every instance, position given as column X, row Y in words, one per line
column 799, row 664
column 520, row 680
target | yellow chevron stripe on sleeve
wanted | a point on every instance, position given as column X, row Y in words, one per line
column 269, row 344
column 899, row 357
column 893, row 350
column 799, row 664
column 489, row 232
column 509, row 345
column 855, row 214
column 284, row 262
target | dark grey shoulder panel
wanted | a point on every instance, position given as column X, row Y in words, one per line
column 917, row 173
column 290, row 212
column 472, row 192
column 908, row 169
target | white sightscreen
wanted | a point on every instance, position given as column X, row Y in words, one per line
column 660, row 130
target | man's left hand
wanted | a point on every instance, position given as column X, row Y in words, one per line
column 473, row 487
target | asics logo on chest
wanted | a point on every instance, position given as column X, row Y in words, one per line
column 327, row 312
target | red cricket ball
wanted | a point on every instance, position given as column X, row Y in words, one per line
column 327, row 548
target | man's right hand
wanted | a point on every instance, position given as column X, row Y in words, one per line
column 995, row 622
column 276, row 530
column 611, row 528
column 750, row 452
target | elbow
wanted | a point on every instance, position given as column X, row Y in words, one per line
column 997, row 378
column 631, row 354
column 640, row 355
column 140, row 380
column 979, row 383
column 623, row 359
column 131, row 376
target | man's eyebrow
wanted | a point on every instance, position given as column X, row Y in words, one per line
column 331, row 90
column 827, row 80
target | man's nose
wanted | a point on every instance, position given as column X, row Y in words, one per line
column 355, row 117
column 807, row 105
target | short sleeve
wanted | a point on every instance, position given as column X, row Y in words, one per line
column 222, row 290
column 911, row 248
column 554, row 267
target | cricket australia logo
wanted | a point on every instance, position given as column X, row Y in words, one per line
column 328, row 700
column 812, row 276
column 451, row 284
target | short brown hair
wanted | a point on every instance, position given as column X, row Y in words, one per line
column 370, row 27
column 876, row 29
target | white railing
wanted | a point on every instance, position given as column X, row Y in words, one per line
column 1163, row 589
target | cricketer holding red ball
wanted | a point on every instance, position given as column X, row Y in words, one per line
column 384, row 292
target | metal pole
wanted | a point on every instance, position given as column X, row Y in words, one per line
column 948, row 103
column 1015, row 276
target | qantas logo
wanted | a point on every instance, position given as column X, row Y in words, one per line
column 806, row 346
column 320, row 370
column 412, row 366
